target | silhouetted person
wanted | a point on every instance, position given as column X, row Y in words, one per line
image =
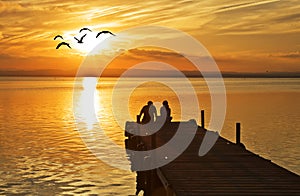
column 149, row 113
column 165, row 112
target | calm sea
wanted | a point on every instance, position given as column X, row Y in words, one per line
column 41, row 151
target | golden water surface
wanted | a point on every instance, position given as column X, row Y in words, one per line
column 42, row 153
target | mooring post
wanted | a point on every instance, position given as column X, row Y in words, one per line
column 138, row 118
column 238, row 133
column 202, row 118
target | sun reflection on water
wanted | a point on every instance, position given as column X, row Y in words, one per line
column 88, row 104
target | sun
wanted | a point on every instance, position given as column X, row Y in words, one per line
column 90, row 42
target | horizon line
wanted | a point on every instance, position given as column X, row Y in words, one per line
column 239, row 75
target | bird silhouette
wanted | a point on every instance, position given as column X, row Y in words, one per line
column 98, row 34
column 80, row 41
column 63, row 43
column 58, row 36
column 83, row 29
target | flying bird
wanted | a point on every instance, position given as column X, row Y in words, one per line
column 80, row 41
column 83, row 29
column 58, row 36
column 63, row 43
column 98, row 34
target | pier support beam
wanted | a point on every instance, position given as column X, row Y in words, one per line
column 238, row 133
column 202, row 118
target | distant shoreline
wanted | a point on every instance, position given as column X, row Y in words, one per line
column 149, row 73
column 168, row 76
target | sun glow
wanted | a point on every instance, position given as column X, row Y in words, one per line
column 90, row 42
column 88, row 103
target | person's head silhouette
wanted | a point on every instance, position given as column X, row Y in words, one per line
column 165, row 102
column 150, row 103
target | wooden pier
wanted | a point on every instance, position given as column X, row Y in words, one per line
column 227, row 169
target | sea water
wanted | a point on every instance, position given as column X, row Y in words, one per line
column 42, row 152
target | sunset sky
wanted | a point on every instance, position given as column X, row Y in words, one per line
column 242, row 35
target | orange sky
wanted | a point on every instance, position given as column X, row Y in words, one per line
column 242, row 36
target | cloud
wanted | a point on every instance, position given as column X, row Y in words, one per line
column 288, row 17
column 154, row 53
column 244, row 5
column 291, row 55
column 255, row 17
column 10, row 6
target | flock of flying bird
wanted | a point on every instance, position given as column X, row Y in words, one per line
column 79, row 40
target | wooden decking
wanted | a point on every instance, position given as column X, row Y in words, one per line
column 227, row 169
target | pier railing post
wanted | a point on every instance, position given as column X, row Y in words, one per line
column 202, row 118
column 238, row 133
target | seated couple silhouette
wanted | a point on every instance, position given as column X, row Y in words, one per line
column 149, row 113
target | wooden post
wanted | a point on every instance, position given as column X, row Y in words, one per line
column 202, row 118
column 238, row 133
column 138, row 118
